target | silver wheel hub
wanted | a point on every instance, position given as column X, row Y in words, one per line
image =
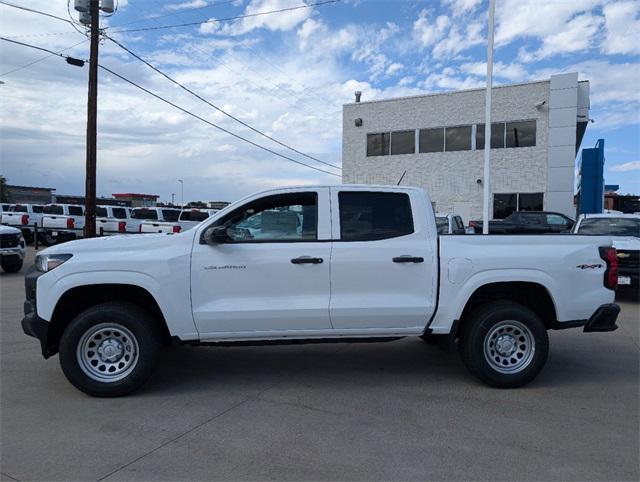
column 509, row 346
column 107, row 352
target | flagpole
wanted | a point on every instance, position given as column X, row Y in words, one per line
column 487, row 122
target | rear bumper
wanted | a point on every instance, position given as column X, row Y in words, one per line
column 604, row 319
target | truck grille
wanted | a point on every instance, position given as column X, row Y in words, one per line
column 629, row 259
column 9, row 240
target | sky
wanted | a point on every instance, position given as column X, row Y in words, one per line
column 286, row 74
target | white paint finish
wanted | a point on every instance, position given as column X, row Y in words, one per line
column 560, row 179
column 564, row 81
column 562, row 117
column 559, row 99
column 562, row 136
column 562, row 156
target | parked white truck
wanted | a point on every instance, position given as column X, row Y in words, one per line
column 12, row 248
column 189, row 218
column 24, row 217
column 150, row 215
column 335, row 263
column 62, row 222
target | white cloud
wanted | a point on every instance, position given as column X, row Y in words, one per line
column 448, row 79
column 459, row 40
column 186, row 5
column 428, row 32
column 622, row 25
column 513, row 72
column 394, row 68
column 626, row 167
column 460, row 7
column 282, row 21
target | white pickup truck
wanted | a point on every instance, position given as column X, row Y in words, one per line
column 189, row 218
column 24, row 217
column 335, row 263
column 62, row 222
column 150, row 215
column 111, row 220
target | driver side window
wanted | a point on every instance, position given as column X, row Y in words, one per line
column 279, row 218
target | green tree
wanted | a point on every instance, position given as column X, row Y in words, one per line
column 4, row 191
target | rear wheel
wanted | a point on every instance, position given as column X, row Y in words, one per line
column 504, row 344
column 11, row 264
column 110, row 349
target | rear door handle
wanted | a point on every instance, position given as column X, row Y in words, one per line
column 306, row 260
column 408, row 259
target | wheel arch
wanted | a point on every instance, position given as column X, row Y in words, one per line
column 79, row 298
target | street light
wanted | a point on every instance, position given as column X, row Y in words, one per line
column 181, row 192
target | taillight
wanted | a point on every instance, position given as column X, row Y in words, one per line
column 122, row 226
column 70, row 223
column 25, row 219
column 610, row 256
column 176, row 229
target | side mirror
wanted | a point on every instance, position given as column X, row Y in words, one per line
column 215, row 235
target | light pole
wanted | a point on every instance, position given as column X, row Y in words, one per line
column 181, row 192
column 486, row 180
column 173, row 196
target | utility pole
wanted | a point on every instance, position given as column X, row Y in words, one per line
column 181, row 192
column 92, row 118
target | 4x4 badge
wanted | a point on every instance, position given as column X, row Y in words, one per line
column 589, row 266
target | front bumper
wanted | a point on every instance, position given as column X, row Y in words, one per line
column 32, row 324
column 17, row 251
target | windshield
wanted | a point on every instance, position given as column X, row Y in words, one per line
column 144, row 214
column 53, row 209
column 170, row 215
column 19, row 208
column 610, row 226
column 193, row 215
column 101, row 212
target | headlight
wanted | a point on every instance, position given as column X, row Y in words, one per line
column 47, row 262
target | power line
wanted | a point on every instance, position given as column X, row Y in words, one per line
column 237, row 136
column 182, row 109
column 20, row 7
column 216, row 20
column 41, row 58
column 219, row 109
column 186, row 10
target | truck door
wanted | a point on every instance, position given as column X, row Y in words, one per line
column 383, row 261
column 271, row 274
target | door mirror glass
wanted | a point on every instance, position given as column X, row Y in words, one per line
column 215, row 235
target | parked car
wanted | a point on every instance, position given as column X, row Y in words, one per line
column 24, row 217
column 12, row 248
column 155, row 214
column 306, row 272
column 528, row 222
column 449, row 224
column 111, row 220
column 62, row 222
column 624, row 229
column 188, row 219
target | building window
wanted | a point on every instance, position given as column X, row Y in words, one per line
column 530, row 201
column 369, row 216
column 521, row 134
column 378, row 144
column 497, row 135
column 432, row 140
column 505, row 204
column 458, row 138
column 403, row 142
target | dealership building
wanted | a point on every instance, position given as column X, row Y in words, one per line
column 436, row 142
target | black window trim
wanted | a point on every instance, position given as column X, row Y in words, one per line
column 219, row 222
column 340, row 240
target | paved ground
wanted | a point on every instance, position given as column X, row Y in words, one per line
column 401, row 410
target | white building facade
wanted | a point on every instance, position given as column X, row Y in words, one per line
column 436, row 142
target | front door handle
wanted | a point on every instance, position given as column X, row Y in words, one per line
column 306, row 260
column 408, row 259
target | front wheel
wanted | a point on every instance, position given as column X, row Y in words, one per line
column 110, row 349
column 504, row 344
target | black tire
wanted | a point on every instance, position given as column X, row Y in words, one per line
column 28, row 236
column 431, row 339
column 143, row 331
column 504, row 326
column 11, row 264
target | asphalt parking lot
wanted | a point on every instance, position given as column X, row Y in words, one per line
column 399, row 410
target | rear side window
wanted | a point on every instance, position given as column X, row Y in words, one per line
column 53, row 209
column 370, row 216
column 37, row 209
column 75, row 211
column 20, row 208
column 170, row 214
column 144, row 214
column 100, row 212
column 119, row 213
column 193, row 215
column 530, row 218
